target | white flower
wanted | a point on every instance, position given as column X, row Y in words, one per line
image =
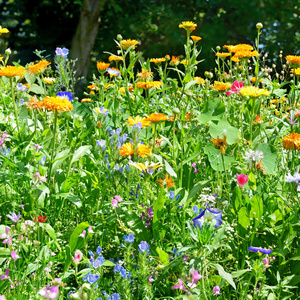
column 253, row 156
column 290, row 178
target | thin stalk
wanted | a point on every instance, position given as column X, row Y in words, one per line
column 14, row 103
column 54, row 137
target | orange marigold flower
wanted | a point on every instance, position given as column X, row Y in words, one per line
column 245, row 54
column 168, row 180
column 167, row 57
column 40, row 67
column 188, row 25
column 175, row 60
column 255, row 79
column 93, row 87
column 57, row 103
column 11, row 71
column 296, row 71
column 200, row 80
column 49, row 80
column 127, row 150
column 148, row 84
column 156, row 118
column 33, row 103
column 145, row 74
column 294, row 60
column 134, row 121
column 258, row 120
column 196, row 38
column 125, row 44
column 253, row 91
column 115, row 58
column 229, row 47
column 221, row 86
column 157, row 60
column 220, row 143
column 102, row 66
column 235, row 59
column 291, row 141
column 240, row 47
column 223, row 54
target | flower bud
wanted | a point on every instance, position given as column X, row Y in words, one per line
column 259, row 25
column 8, row 51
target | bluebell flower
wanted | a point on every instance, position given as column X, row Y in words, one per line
column 118, row 131
column 99, row 249
column 85, row 277
column 99, row 262
column 127, row 168
column 118, row 145
column 177, row 197
column 129, row 238
column 43, row 160
column 124, row 138
column 208, row 215
column 261, row 250
column 63, row 52
column 92, row 278
column 115, row 296
column 91, row 253
column 105, row 157
column 144, row 246
column 117, row 268
column 129, row 275
column 123, row 272
column 195, row 209
column 21, row 87
column 171, row 195
column 108, row 129
column 65, row 95
column 121, row 170
column 5, row 151
column 104, row 293
column 101, row 144
column 22, row 101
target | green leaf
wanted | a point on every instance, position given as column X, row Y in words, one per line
column 224, row 128
column 215, row 158
column 4, row 252
column 239, row 273
column 163, row 256
column 30, row 269
column 68, row 258
column 237, row 198
column 49, row 229
column 269, row 159
column 59, row 158
column 213, row 110
column 243, row 217
column 36, row 89
column 158, row 205
column 257, row 208
column 81, row 151
column 224, row 274
column 108, row 263
column 69, row 182
column 75, row 235
column 252, row 181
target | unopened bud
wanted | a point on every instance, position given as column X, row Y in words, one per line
column 259, row 25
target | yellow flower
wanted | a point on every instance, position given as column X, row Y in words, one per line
column 57, row 103
column 235, row 59
column 291, row 141
column 3, row 30
column 145, row 75
column 146, row 168
column 229, row 47
column 115, row 58
column 102, row 66
column 254, row 92
column 254, row 79
column 196, row 38
column 127, row 150
column 134, row 121
column 294, row 60
column 200, row 80
column 296, row 71
column 86, row 100
column 156, row 118
column 188, row 25
column 222, row 55
column 220, row 143
column 11, row 71
column 245, row 54
column 240, row 47
column 221, row 86
column 49, row 80
column 125, row 44
column 148, row 85
column 157, row 60
column 38, row 68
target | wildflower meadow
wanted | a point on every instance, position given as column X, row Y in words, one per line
column 164, row 181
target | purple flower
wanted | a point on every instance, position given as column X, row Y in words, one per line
column 144, row 246
column 171, row 195
column 129, row 238
column 117, row 268
column 63, row 52
column 15, row 218
column 98, row 250
column 261, row 250
column 6, row 276
column 208, row 215
column 65, row 95
column 49, row 292
column 216, row 290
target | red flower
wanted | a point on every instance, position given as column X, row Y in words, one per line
column 40, row 219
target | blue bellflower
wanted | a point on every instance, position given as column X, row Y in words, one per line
column 261, row 250
column 208, row 215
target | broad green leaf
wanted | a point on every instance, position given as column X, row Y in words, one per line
column 239, row 273
column 4, row 252
column 36, row 89
column 224, row 274
column 158, row 205
column 163, row 256
column 269, row 159
column 69, row 182
column 243, row 217
column 224, row 128
column 51, row 233
column 252, row 181
column 81, row 151
column 68, row 258
column 30, row 269
column 108, row 263
column 213, row 110
column 237, row 198
column 256, row 211
column 59, row 158
column 75, row 235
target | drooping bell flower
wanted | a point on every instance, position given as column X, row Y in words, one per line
column 208, row 215
column 242, row 180
column 235, row 88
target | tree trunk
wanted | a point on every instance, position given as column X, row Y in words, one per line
column 86, row 34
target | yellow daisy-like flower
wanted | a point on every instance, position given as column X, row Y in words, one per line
column 145, row 74
column 291, row 141
column 294, row 60
column 143, row 150
column 93, row 87
column 245, row 54
column 3, row 30
column 102, row 66
column 240, row 47
column 223, row 55
column 221, row 86
column 254, row 79
column 49, row 80
column 235, row 59
column 188, row 25
column 57, row 103
column 123, row 90
column 196, row 38
column 175, row 60
column 86, row 100
column 125, row 44
column 254, row 92
column 38, row 68
column 135, row 120
column 127, row 150
column 200, row 80
column 146, row 168
column 157, row 60
column 229, row 47
column 33, row 103
column 148, row 85
column 115, row 58
column 220, row 143
column 296, row 71
column 11, row 71
column 156, row 118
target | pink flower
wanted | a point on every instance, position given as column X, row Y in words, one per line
column 6, row 275
column 195, row 278
column 90, row 230
column 266, row 263
column 118, row 198
column 180, row 286
column 193, row 165
column 114, row 202
column 83, row 234
column 14, row 255
column 235, row 88
column 216, row 290
column 242, row 180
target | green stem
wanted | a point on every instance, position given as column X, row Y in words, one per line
column 54, row 137
column 14, row 103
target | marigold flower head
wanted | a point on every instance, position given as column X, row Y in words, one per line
column 102, row 66
column 188, row 25
column 142, row 150
column 196, row 38
column 258, row 120
column 168, row 180
column 254, row 92
column 3, row 30
column 229, row 47
column 115, row 58
column 145, row 74
column 148, row 84
column 221, row 86
column 11, row 71
column 220, row 143
column 255, row 79
column 175, row 60
column 291, row 141
column 40, row 67
column 240, row 47
column 49, row 80
column 223, row 54
column 57, row 103
column 33, row 103
column 135, row 120
column 157, row 60
column 235, row 59
column 156, row 118
column 200, row 80
column 296, row 71
column 125, row 44
column 245, row 54
column 294, row 60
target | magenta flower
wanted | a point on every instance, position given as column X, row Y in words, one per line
column 83, row 234
column 14, row 255
column 6, row 275
column 242, row 179
column 235, row 88
column 266, row 263
column 15, row 218
column 195, row 278
column 180, row 286
column 49, row 292
column 216, row 290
